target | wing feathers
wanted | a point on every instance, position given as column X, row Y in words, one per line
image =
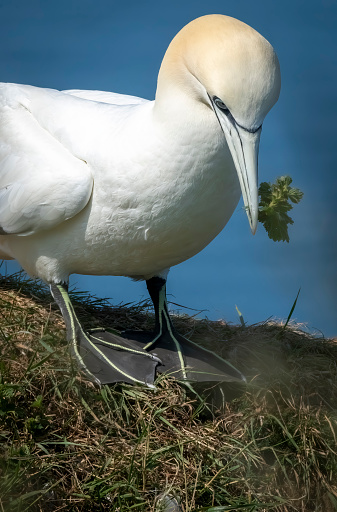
column 111, row 98
column 41, row 182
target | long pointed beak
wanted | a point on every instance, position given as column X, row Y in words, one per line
column 244, row 147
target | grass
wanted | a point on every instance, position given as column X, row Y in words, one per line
column 67, row 445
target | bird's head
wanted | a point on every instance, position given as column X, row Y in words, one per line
column 230, row 68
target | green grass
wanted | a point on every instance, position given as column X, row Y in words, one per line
column 67, row 445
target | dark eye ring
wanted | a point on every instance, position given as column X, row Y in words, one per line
column 220, row 104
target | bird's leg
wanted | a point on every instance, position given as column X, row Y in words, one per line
column 157, row 290
column 164, row 329
column 179, row 356
column 105, row 358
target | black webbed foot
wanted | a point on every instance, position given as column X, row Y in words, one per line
column 179, row 356
column 103, row 356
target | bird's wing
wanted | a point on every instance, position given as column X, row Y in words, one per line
column 112, row 98
column 42, row 182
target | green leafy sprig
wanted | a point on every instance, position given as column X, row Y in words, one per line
column 274, row 207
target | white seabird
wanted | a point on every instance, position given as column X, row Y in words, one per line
column 106, row 184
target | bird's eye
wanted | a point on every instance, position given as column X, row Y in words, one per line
column 220, row 104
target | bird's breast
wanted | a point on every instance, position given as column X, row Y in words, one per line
column 162, row 202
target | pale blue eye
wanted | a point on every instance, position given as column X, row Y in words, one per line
column 220, row 104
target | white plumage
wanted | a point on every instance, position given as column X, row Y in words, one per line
column 129, row 190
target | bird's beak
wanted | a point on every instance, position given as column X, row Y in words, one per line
column 244, row 147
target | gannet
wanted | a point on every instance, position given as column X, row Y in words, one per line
column 101, row 183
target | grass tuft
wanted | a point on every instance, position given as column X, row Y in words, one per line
column 67, row 445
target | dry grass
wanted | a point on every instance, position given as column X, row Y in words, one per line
column 67, row 445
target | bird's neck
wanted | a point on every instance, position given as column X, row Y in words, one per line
column 178, row 89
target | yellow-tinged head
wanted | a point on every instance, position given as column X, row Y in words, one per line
column 230, row 68
column 230, row 60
